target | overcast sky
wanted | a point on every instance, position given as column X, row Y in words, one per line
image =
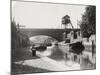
column 45, row 15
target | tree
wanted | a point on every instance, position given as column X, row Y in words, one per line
column 18, row 39
column 88, row 24
column 66, row 20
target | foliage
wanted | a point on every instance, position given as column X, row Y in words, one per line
column 18, row 39
column 88, row 24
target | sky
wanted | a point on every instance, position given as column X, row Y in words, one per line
column 45, row 15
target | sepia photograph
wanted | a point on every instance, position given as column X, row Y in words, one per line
column 52, row 37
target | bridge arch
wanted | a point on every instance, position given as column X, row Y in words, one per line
column 42, row 39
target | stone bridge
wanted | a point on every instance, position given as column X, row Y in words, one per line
column 54, row 33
